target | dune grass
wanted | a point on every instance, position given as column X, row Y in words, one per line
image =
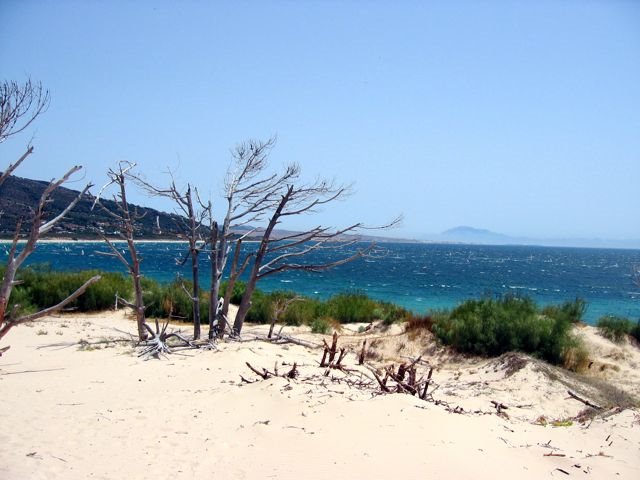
column 617, row 329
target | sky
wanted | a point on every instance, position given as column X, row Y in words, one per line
column 518, row 117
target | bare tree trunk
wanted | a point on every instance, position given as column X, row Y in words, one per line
column 191, row 222
column 196, row 293
column 215, row 279
column 126, row 219
column 245, row 303
column 15, row 259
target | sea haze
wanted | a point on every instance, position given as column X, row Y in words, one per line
column 420, row 277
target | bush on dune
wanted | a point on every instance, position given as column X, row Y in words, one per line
column 614, row 328
column 491, row 327
column 352, row 308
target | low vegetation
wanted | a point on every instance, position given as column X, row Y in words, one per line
column 493, row 326
column 350, row 307
column 40, row 287
column 617, row 329
column 487, row 326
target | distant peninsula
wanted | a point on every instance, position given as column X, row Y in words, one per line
column 479, row 236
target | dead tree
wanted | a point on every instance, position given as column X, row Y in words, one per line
column 19, row 107
column 126, row 220
column 192, row 213
column 248, row 197
column 19, row 253
column 291, row 252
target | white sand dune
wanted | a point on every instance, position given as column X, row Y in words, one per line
column 104, row 413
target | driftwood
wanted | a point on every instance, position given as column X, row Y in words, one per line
column 265, row 374
column 586, row 402
column 329, row 355
column 157, row 344
column 499, row 408
column 404, row 379
column 382, row 383
column 423, row 395
column 362, row 352
column 401, row 379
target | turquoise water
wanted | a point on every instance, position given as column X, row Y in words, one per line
column 420, row 277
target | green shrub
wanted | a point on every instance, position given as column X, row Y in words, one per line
column 352, row 308
column 391, row 313
column 101, row 295
column 615, row 328
column 571, row 311
column 21, row 301
column 43, row 287
column 320, row 325
column 261, row 310
column 303, row 312
column 237, row 292
column 492, row 327
column 635, row 331
column 171, row 301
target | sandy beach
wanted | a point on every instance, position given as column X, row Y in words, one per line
column 96, row 410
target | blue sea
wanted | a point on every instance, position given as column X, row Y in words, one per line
column 420, row 277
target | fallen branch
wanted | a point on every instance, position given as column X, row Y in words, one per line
column 586, row 402
column 362, row 352
column 33, row 371
column 499, row 407
column 264, row 374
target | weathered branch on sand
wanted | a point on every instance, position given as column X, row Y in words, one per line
column 8, row 323
column 586, row 402
column 158, row 344
column 265, row 374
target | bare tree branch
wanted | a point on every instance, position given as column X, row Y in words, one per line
column 191, row 222
column 10, row 169
column 20, row 105
column 126, row 220
column 275, row 255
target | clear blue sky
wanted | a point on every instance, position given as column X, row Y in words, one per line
column 519, row 117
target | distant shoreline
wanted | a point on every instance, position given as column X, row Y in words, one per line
column 94, row 240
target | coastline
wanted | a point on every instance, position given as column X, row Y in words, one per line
column 420, row 278
column 97, row 240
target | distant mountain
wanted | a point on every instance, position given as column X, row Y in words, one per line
column 465, row 234
column 18, row 196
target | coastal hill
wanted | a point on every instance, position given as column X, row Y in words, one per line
column 19, row 195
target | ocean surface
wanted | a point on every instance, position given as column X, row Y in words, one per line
column 420, row 277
